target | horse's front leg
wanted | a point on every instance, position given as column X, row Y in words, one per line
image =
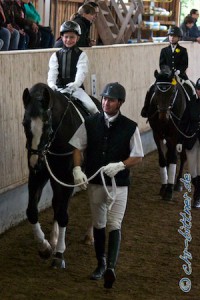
column 36, row 184
column 60, row 201
column 171, row 162
column 161, row 147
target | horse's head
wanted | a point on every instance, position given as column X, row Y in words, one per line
column 37, row 123
column 165, row 92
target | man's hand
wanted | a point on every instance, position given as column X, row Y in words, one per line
column 113, row 168
column 179, row 148
column 80, row 177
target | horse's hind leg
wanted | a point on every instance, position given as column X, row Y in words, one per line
column 178, row 185
column 35, row 186
column 89, row 237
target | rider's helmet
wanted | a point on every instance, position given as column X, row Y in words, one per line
column 70, row 26
column 197, row 86
column 114, row 91
column 175, row 31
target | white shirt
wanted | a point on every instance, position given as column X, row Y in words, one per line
column 82, row 70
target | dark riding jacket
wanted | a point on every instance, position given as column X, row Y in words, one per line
column 190, row 124
column 106, row 145
column 67, row 62
column 84, row 40
column 177, row 60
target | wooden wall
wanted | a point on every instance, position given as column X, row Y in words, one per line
column 131, row 65
column 62, row 10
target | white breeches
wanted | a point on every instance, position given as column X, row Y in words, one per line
column 189, row 83
column 193, row 160
column 101, row 216
column 86, row 100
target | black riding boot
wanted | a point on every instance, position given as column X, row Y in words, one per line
column 113, row 252
column 99, row 245
column 196, row 195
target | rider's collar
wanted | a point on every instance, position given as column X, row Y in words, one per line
column 110, row 119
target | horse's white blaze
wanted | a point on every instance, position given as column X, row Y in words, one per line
column 36, row 129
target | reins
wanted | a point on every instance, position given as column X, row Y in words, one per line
column 183, row 134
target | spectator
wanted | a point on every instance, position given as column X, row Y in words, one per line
column 9, row 13
column 31, row 28
column 85, row 16
column 8, row 34
column 186, row 27
column 194, row 31
column 1, row 43
column 47, row 38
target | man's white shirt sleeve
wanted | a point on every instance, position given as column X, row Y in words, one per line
column 79, row 139
column 136, row 145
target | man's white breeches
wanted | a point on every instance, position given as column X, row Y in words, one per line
column 101, row 216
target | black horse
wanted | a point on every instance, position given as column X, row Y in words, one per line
column 167, row 105
column 50, row 120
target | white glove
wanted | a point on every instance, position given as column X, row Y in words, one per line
column 54, row 87
column 177, row 72
column 179, row 148
column 72, row 87
column 113, row 168
column 80, row 177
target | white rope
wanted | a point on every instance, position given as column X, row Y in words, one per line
column 114, row 187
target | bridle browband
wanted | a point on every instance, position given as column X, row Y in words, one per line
column 169, row 108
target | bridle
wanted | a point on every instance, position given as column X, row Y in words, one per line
column 41, row 152
column 172, row 98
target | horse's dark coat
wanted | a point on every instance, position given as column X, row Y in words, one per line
column 167, row 105
column 60, row 120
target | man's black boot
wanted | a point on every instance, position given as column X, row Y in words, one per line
column 113, row 252
column 99, row 245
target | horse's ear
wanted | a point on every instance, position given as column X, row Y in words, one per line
column 26, row 97
column 156, row 73
column 46, row 99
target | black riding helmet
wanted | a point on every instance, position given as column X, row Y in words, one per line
column 114, row 91
column 175, row 31
column 70, row 26
column 197, row 86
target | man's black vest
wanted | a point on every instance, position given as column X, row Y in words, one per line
column 106, row 145
column 67, row 62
